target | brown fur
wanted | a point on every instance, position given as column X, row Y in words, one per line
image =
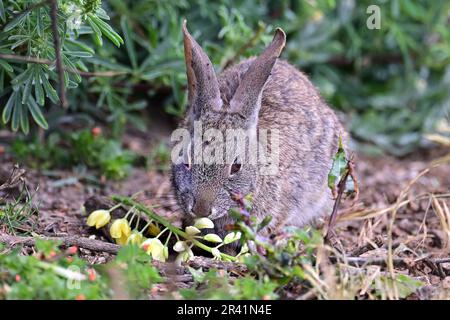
column 309, row 133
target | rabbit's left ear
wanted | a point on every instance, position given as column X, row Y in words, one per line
column 203, row 87
column 247, row 99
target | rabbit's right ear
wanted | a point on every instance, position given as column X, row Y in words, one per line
column 247, row 98
column 203, row 87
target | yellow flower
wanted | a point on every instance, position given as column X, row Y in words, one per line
column 153, row 229
column 204, row 223
column 98, row 218
column 155, row 248
column 135, row 238
column 120, row 228
column 211, row 237
column 122, row 240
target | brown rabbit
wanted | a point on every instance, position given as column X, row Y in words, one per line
column 256, row 94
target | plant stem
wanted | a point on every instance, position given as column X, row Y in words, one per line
column 57, row 46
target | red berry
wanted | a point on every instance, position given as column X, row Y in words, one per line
column 80, row 297
column 92, row 275
column 72, row 250
column 18, row 277
column 96, row 131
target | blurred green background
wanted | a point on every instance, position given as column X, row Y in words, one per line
column 392, row 84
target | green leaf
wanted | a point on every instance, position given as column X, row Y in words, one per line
column 129, row 44
column 27, row 89
column 107, row 30
column 77, row 77
column 80, row 45
column 21, row 77
column 36, row 113
column 49, row 90
column 39, row 22
column 2, row 11
column 97, row 32
column 338, row 167
column 5, row 65
column 79, row 54
column 2, row 79
column 7, row 111
column 38, row 90
column 24, row 123
column 16, row 21
column 17, row 113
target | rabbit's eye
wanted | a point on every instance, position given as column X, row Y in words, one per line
column 235, row 167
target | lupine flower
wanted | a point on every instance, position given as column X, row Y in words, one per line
column 122, row 240
column 211, row 237
column 231, row 237
column 99, row 218
column 184, row 256
column 153, row 229
column 119, row 228
column 180, row 246
column 135, row 238
column 204, row 223
column 155, row 248
column 192, row 231
column 216, row 253
column 244, row 249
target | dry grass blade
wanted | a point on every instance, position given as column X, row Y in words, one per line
column 443, row 214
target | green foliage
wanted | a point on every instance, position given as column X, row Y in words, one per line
column 392, row 82
column 48, row 274
column 18, row 215
column 26, row 32
column 219, row 285
column 65, row 150
column 340, row 170
column 51, row 273
column 159, row 158
column 298, row 258
column 139, row 275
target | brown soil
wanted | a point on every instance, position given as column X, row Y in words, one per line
column 417, row 231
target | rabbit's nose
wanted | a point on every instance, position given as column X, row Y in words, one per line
column 201, row 208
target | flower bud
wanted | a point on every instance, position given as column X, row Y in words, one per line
column 204, row 223
column 211, row 237
column 153, row 229
column 180, row 246
column 192, row 231
column 231, row 237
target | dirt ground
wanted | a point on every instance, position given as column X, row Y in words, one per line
column 418, row 233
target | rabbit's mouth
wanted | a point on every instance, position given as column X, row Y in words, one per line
column 217, row 213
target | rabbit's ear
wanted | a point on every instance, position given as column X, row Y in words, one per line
column 247, row 99
column 203, row 87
